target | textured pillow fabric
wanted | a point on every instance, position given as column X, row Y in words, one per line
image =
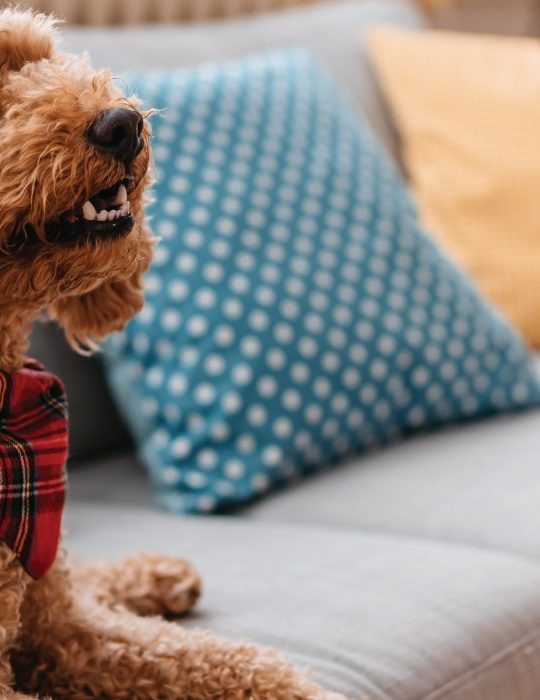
column 295, row 310
column 468, row 109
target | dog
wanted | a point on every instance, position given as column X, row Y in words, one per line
column 75, row 166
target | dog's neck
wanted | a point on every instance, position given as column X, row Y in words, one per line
column 15, row 328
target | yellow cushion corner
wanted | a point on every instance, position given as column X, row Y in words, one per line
column 468, row 111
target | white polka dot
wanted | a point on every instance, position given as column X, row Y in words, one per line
column 300, row 372
column 267, row 387
column 340, row 403
column 181, row 447
column 322, row 387
column 233, row 308
column 331, row 361
column 177, row 384
column 272, row 455
column 250, row 346
column 205, row 298
column 170, row 476
column 241, row 374
column 170, row 320
column 220, row 432
column 195, row 480
column 213, row 272
column 291, row 399
column 224, row 335
column 172, row 206
column 204, row 394
column 186, row 262
column 259, row 320
column 231, row 402
column 307, row 347
column 214, row 364
column 257, row 415
column 246, row 443
column 161, row 255
column 152, row 284
column 197, row 326
column 260, row 483
column 155, row 377
column 234, row 469
column 188, row 355
column 283, row 332
column 178, row 290
column 239, row 283
column 206, row 504
column 313, row 413
column 207, row 458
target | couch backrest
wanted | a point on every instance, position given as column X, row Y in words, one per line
column 95, row 425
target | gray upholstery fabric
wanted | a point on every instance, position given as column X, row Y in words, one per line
column 477, row 483
column 375, row 616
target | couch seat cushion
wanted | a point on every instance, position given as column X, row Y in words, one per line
column 477, row 484
column 374, row 616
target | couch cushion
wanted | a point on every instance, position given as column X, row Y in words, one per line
column 374, row 616
column 476, row 484
column 476, row 177
column 295, row 310
column 330, row 31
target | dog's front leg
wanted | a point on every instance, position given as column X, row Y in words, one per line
column 146, row 584
column 76, row 648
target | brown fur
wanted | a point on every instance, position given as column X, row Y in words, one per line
column 92, row 632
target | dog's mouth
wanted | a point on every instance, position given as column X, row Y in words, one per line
column 105, row 215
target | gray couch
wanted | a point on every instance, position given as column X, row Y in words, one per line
column 412, row 573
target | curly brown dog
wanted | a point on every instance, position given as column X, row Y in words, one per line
column 73, row 242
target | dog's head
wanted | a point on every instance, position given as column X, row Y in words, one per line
column 74, row 157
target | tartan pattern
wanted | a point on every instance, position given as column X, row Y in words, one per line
column 33, row 451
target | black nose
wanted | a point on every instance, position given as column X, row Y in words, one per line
column 118, row 132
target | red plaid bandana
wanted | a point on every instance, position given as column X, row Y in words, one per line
column 33, row 451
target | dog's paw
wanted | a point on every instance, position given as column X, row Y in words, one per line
column 159, row 585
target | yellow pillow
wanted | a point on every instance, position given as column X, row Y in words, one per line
column 468, row 109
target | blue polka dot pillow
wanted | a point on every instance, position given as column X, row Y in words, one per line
column 295, row 312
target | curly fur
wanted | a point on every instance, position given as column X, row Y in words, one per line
column 94, row 631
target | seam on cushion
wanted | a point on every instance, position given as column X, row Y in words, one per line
column 495, row 659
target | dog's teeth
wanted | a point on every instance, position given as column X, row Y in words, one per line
column 128, row 207
column 112, row 215
column 89, row 211
column 102, row 216
column 121, row 197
